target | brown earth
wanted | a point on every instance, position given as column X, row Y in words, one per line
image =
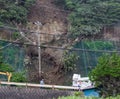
column 54, row 21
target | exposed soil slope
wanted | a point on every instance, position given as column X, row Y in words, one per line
column 53, row 18
column 54, row 21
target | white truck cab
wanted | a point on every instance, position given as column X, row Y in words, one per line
column 82, row 82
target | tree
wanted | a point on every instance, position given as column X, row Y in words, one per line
column 69, row 61
column 19, row 77
column 107, row 74
column 88, row 17
column 14, row 10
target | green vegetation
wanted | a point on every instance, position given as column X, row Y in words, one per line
column 78, row 97
column 14, row 11
column 1, row 58
column 16, row 76
column 13, row 55
column 79, row 93
column 6, row 68
column 16, row 35
column 88, row 17
column 69, row 61
column 98, row 45
column 106, row 75
column 60, row 3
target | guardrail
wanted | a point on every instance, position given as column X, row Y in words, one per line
column 43, row 86
column 39, row 86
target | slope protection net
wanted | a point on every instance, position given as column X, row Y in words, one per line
column 91, row 51
column 13, row 55
column 25, row 58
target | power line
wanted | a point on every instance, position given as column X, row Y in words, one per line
column 5, row 46
column 9, row 44
column 17, row 38
column 25, row 30
column 25, row 36
column 61, row 48
column 31, row 31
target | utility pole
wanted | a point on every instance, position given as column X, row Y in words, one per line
column 39, row 45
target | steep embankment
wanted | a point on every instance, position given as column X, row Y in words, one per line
column 54, row 21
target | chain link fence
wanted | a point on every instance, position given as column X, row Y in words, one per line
column 8, row 92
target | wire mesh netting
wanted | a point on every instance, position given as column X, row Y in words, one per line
column 25, row 58
column 90, row 51
column 13, row 54
column 7, row 92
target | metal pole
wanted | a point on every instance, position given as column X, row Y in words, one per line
column 39, row 53
column 39, row 44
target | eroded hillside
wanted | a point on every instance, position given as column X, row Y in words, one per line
column 53, row 18
column 54, row 21
column 54, row 24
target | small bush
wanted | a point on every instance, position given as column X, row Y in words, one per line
column 77, row 97
column 79, row 93
column 6, row 68
column 69, row 61
column 18, row 77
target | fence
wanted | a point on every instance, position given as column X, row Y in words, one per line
column 25, row 58
column 8, row 92
column 90, row 51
